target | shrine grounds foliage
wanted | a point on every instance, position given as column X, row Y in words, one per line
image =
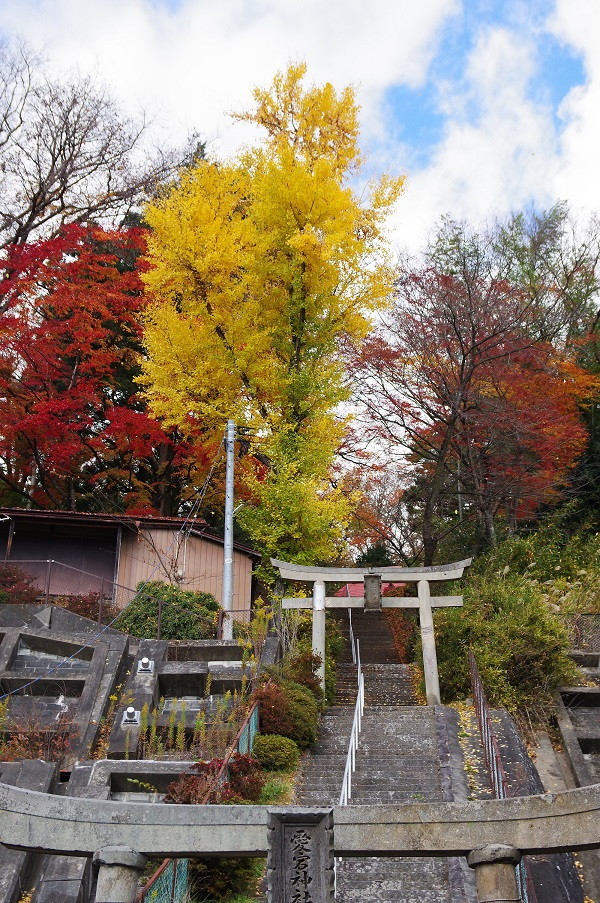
column 184, row 614
column 519, row 602
column 16, row 587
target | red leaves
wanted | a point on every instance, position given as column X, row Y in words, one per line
column 71, row 418
column 246, row 782
column 460, row 380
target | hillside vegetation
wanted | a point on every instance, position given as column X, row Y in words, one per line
column 520, row 600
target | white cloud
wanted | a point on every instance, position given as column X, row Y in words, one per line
column 577, row 23
column 498, row 148
column 200, row 60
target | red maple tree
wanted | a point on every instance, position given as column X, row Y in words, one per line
column 461, row 380
column 74, row 430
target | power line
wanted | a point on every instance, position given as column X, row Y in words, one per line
column 95, row 637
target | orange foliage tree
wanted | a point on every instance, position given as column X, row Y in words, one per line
column 472, row 379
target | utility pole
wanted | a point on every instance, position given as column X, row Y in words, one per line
column 227, row 601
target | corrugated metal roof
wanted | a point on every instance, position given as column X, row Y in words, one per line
column 199, row 527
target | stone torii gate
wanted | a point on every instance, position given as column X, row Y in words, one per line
column 372, row 601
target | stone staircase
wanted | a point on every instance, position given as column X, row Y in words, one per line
column 387, row 681
column 371, row 629
column 322, row 771
column 388, row 685
column 397, row 761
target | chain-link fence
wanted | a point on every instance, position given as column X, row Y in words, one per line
column 584, row 631
column 168, row 885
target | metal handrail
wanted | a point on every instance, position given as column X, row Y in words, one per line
column 350, row 767
column 359, row 706
column 495, row 767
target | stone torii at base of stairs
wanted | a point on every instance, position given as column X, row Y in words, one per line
column 372, row 601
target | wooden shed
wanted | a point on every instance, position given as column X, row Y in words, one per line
column 70, row 552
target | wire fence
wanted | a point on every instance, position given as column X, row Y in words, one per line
column 165, row 886
column 58, row 582
column 584, row 631
column 169, row 884
column 498, row 780
column 100, row 599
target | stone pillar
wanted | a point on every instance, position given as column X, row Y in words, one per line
column 300, row 867
column 318, row 626
column 119, row 871
column 495, row 874
column 432, row 680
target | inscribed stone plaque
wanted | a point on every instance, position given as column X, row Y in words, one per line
column 372, row 592
column 300, row 862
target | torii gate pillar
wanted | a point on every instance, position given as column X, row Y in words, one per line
column 318, row 626
column 430, row 668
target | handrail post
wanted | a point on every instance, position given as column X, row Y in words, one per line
column 48, row 575
column 346, row 791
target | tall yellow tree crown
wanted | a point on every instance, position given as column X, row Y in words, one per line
column 258, row 267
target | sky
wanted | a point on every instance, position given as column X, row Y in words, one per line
column 487, row 106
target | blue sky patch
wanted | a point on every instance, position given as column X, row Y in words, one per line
column 416, row 119
column 560, row 70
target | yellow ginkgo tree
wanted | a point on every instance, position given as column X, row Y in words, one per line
column 259, row 267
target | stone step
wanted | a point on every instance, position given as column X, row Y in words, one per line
column 392, row 879
column 371, row 629
column 387, row 797
column 397, row 762
column 399, row 778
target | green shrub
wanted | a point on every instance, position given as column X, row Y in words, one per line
column 520, row 646
column 275, row 753
column 303, row 669
column 223, row 879
column 335, row 644
column 185, row 614
column 335, row 641
column 303, row 712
